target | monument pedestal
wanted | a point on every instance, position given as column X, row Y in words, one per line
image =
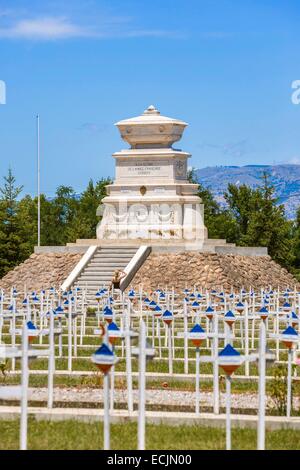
column 151, row 200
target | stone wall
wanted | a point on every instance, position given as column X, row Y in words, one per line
column 208, row 270
column 42, row 270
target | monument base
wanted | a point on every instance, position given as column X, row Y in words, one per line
column 246, row 267
column 209, row 245
column 223, row 272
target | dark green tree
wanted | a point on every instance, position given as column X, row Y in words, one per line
column 10, row 239
column 85, row 223
column 28, row 222
column 261, row 221
column 65, row 208
column 219, row 221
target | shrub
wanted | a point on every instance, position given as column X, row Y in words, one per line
column 278, row 390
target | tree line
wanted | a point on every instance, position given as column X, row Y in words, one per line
column 252, row 217
column 64, row 218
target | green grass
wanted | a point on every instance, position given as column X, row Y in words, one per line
column 83, row 363
column 95, row 381
column 79, row 436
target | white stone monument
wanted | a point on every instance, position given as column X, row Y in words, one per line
column 151, row 201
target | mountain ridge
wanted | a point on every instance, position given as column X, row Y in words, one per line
column 284, row 177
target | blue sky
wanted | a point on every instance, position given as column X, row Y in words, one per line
column 224, row 66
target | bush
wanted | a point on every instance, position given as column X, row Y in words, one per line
column 278, row 390
column 90, row 311
column 4, row 368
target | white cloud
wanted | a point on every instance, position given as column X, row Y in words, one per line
column 152, row 33
column 81, row 22
column 217, row 35
column 93, row 128
column 44, row 28
column 61, row 27
column 294, row 161
column 288, row 161
column 233, row 149
column 68, row 23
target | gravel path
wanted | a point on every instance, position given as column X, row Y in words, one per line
column 153, row 397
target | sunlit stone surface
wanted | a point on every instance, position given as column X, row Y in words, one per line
column 151, row 199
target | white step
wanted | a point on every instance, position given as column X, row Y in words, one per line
column 100, row 269
column 97, row 279
column 112, row 256
column 119, row 250
column 103, row 264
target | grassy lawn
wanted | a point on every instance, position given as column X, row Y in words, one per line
column 82, row 364
column 96, row 381
column 75, row 435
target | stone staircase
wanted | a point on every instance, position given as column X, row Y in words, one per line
column 99, row 270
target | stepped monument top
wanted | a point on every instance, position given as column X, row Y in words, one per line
column 151, row 130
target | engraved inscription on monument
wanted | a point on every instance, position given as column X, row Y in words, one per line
column 144, row 168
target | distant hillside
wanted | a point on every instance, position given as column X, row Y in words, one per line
column 285, row 178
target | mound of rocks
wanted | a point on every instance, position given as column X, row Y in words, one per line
column 40, row 271
column 206, row 270
column 210, row 270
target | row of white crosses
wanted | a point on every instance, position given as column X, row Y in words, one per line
column 157, row 311
column 157, row 314
column 20, row 392
column 166, row 300
column 66, row 306
column 290, row 336
column 229, row 359
column 229, row 318
column 243, row 317
column 105, row 359
column 113, row 334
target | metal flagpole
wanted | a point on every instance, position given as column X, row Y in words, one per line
column 38, row 178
